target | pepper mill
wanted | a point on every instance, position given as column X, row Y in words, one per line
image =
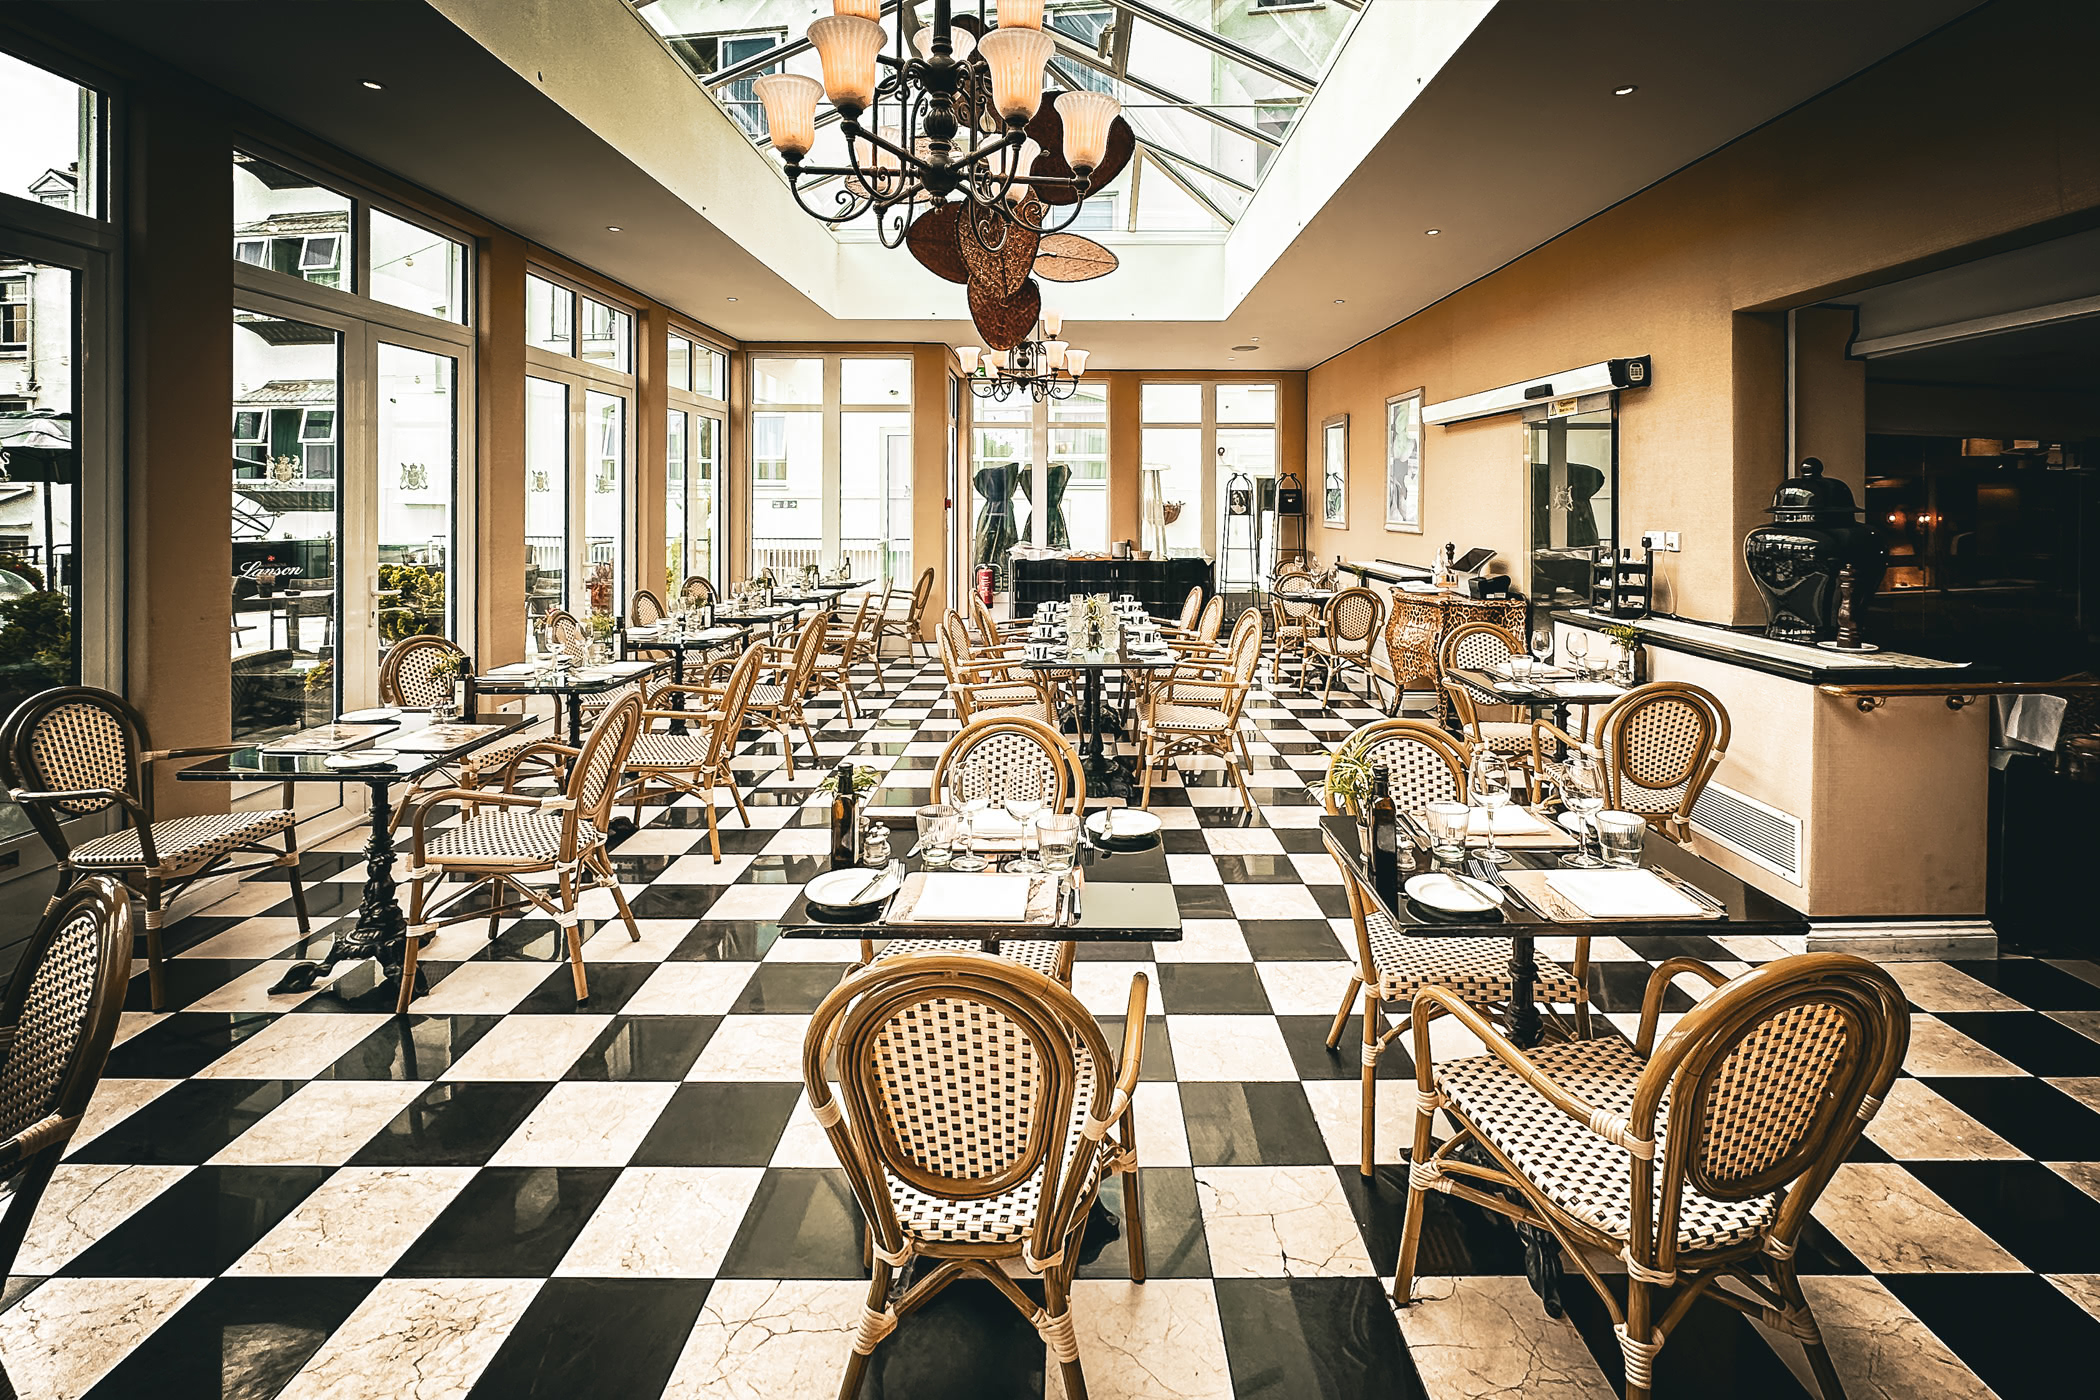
column 1848, row 614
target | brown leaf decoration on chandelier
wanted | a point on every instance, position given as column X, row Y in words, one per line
column 932, row 240
column 1005, row 322
column 1068, row 257
column 1003, row 271
column 1047, row 129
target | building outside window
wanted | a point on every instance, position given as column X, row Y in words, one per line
column 1068, row 508
column 831, row 463
column 695, row 431
column 290, row 223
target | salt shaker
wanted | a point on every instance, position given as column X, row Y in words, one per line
column 874, row 845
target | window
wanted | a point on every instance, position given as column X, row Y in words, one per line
column 550, row 316
column 546, row 497
column 1002, row 456
column 52, row 150
column 711, row 373
column 1194, row 440
column 251, row 437
column 416, row 269
column 604, row 538
column 418, row 458
column 676, row 490
column 678, row 363
column 692, row 444
column 711, row 53
column 875, row 498
column 831, row 463
column 290, row 223
column 317, row 444
column 608, row 337
column 14, row 315
column 1078, row 441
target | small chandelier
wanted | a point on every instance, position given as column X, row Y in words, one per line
column 1043, row 368
column 909, row 130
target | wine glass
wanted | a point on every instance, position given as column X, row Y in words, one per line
column 972, row 779
column 1582, row 792
column 1022, row 808
column 1578, row 652
column 1490, row 789
column 1542, row 644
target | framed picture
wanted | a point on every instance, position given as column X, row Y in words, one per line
column 1334, row 471
column 1403, row 462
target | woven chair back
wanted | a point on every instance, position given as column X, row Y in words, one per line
column 64, row 1001
column 802, row 662
column 921, row 595
column 736, row 696
column 597, row 772
column 1293, row 607
column 72, row 739
column 1212, row 619
column 416, row 675
column 1661, row 743
column 956, row 1074
column 1422, row 762
column 1243, row 654
column 695, row 591
column 1478, row 646
column 644, row 609
column 952, row 657
column 1769, row 1078
column 987, row 626
column 566, row 634
column 997, row 757
column 1190, row 607
column 859, row 632
column 1352, row 616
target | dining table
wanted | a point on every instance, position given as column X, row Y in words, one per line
column 681, row 642
column 381, row 927
column 1107, row 775
column 1729, row 905
column 567, row 684
column 1550, row 690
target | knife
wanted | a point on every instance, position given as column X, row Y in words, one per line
column 862, row 893
column 1688, row 888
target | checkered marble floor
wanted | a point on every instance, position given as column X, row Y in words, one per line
column 507, row 1194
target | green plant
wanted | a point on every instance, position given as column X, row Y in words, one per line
column 1626, row 636
column 600, row 626
column 1349, row 776
column 36, row 637
column 320, row 679
column 16, row 564
column 419, row 608
column 864, row 779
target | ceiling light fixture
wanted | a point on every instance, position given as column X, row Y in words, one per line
column 952, row 122
column 1431, row 232
column 732, row 298
column 1625, row 90
column 1338, row 301
column 1243, row 349
column 1044, row 368
column 612, row 228
column 376, row 87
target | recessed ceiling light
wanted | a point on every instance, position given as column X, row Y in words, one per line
column 732, row 298
column 1625, row 90
column 1432, row 232
column 612, row 228
column 1338, row 301
column 376, row 87
column 1243, row 349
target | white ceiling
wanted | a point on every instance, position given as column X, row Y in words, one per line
column 559, row 117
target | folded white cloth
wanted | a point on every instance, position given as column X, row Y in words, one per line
column 1623, row 894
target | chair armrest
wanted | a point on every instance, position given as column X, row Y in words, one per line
column 469, row 798
column 544, row 746
column 1658, row 983
column 46, row 1131
column 1613, row 1127
column 1128, row 1063
column 1542, row 727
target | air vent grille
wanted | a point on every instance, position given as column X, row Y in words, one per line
column 1754, row 830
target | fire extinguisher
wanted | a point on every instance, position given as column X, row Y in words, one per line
column 984, row 584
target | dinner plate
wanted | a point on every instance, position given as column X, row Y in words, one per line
column 361, row 758
column 1125, row 825
column 1453, row 894
column 371, row 716
column 849, row 889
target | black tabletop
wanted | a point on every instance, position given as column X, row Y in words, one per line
column 257, row 764
column 1748, row 909
column 579, row 680
column 1539, row 692
column 729, row 614
column 1126, row 897
column 692, row 639
column 1120, row 659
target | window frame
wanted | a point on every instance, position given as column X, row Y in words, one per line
column 695, row 403
column 26, row 314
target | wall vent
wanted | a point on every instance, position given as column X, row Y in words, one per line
column 1754, row 830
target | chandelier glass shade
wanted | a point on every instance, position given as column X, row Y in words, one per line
column 945, row 120
column 1043, row 368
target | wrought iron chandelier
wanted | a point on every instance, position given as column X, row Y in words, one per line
column 952, row 123
column 1042, row 368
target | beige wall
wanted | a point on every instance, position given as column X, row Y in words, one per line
column 1914, row 164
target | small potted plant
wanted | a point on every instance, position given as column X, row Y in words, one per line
column 1633, row 667
column 1348, row 779
column 600, row 626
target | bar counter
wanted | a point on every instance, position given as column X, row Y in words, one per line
column 1159, row 584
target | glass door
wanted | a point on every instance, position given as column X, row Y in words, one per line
column 415, row 486
column 546, row 498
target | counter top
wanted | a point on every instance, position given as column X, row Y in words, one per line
column 1751, row 648
column 1388, row 571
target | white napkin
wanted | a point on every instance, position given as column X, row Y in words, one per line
column 1510, row 820
column 949, row 898
column 1623, row 894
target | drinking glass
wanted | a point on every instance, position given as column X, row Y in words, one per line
column 1542, row 645
column 966, row 857
column 1619, row 836
column 1023, row 809
column 1578, row 653
column 1582, row 792
column 1057, row 835
column 1490, row 789
column 1447, row 829
column 928, row 820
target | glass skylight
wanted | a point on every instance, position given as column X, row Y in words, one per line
column 1211, row 88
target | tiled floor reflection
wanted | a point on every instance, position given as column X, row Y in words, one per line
column 509, row 1195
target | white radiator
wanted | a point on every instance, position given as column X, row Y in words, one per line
column 1754, row 830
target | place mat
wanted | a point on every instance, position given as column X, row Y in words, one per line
column 1618, row 896
column 328, row 738
column 950, row 897
column 1585, row 690
column 440, row 738
column 515, row 668
column 1536, row 673
column 1519, row 829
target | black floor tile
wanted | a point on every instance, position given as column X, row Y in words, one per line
column 200, row 1225
column 1257, row 870
column 1157, row 1065
column 788, row 988
column 1234, row 1124
column 646, row 1047
column 1173, row 1225
column 802, row 1223
column 968, row 1343
column 509, row 1222
column 1293, row 940
column 185, row 979
column 2038, row 1118
column 2035, row 984
column 2034, row 1042
column 188, row 1124
column 2047, row 1223
column 1306, row 1037
column 452, row 1125
column 1202, row 902
column 2021, row 1336
column 719, row 1125
column 723, row 940
column 675, row 901
column 1714, row 1351
column 1211, row 989
column 411, row 1047
column 239, row 1337
column 609, row 984
column 594, row 1336
column 1297, row 1339
column 183, row 1044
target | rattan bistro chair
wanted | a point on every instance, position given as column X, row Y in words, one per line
column 1348, row 632
column 694, row 760
column 696, row 591
column 563, row 836
column 416, row 674
column 58, row 1018
column 975, row 1118
column 1297, row 621
column 1195, row 710
column 1482, row 646
column 1426, row 765
column 77, row 751
column 1695, row 1162
column 785, row 675
column 990, row 685
column 844, row 645
column 1660, row 744
column 902, row 614
column 996, row 756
